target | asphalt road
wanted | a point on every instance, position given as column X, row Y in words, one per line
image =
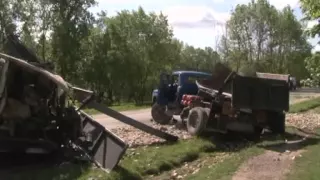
column 144, row 115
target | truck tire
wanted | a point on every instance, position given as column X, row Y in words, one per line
column 197, row 120
column 277, row 122
column 158, row 113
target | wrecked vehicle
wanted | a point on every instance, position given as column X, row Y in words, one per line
column 166, row 99
column 229, row 102
column 37, row 116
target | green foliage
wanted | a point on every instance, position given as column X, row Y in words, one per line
column 120, row 57
column 311, row 8
column 271, row 40
column 305, row 105
column 313, row 66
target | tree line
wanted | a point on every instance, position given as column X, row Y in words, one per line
column 121, row 56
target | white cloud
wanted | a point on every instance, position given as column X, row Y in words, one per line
column 193, row 16
column 316, row 48
column 279, row 4
column 218, row 1
column 197, row 25
column 312, row 23
column 123, row 2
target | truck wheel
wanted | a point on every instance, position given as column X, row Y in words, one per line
column 277, row 122
column 159, row 115
column 197, row 120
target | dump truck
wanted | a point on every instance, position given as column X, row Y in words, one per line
column 229, row 102
column 38, row 113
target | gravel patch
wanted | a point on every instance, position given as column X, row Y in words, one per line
column 135, row 137
column 307, row 120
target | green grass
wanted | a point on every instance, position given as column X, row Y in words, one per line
column 122, row 107
column 307, row 166
column 227, row 167
column 305, row 105
column 315, row 110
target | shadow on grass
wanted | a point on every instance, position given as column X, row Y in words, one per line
column 123, row 174
column 291, row 140
column 47, row 170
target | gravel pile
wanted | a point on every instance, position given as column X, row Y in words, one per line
column 307, row 120
column 135, row 137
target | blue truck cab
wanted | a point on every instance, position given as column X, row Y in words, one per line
column 166, row 99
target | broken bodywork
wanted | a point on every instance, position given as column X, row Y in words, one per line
column 37, row 116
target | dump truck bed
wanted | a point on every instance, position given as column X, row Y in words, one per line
column 260, row 93
column 265, row 92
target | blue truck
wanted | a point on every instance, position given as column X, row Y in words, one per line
column 167, row 98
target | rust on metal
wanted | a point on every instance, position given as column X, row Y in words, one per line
column 284, row 77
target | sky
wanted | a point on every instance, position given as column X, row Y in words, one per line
column 199, row 23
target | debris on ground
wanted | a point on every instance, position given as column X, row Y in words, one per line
column 307, row 120
column 135, row 137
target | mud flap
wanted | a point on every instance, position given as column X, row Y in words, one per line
column 103, row 146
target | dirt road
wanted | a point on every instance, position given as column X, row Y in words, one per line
column 144, row 115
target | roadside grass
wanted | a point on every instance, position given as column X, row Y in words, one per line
column 315, row 110
column 225, row 169
column 121, row 107
column 304, row 105
column 307, row 166
column 124, row 106
column 143, row 161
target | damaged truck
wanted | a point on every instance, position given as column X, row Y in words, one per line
column 38, row 116
column 229, row 102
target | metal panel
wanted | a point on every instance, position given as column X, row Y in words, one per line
column 107, row 149
column 260, row 93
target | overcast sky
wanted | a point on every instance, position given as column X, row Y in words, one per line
column 197, row 23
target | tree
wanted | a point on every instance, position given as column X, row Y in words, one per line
column 71, row 24
column 265, row 39
column 120, row 57
column 311, row 9
column 313, row 66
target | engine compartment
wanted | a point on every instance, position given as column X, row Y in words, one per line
column 32, row 107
